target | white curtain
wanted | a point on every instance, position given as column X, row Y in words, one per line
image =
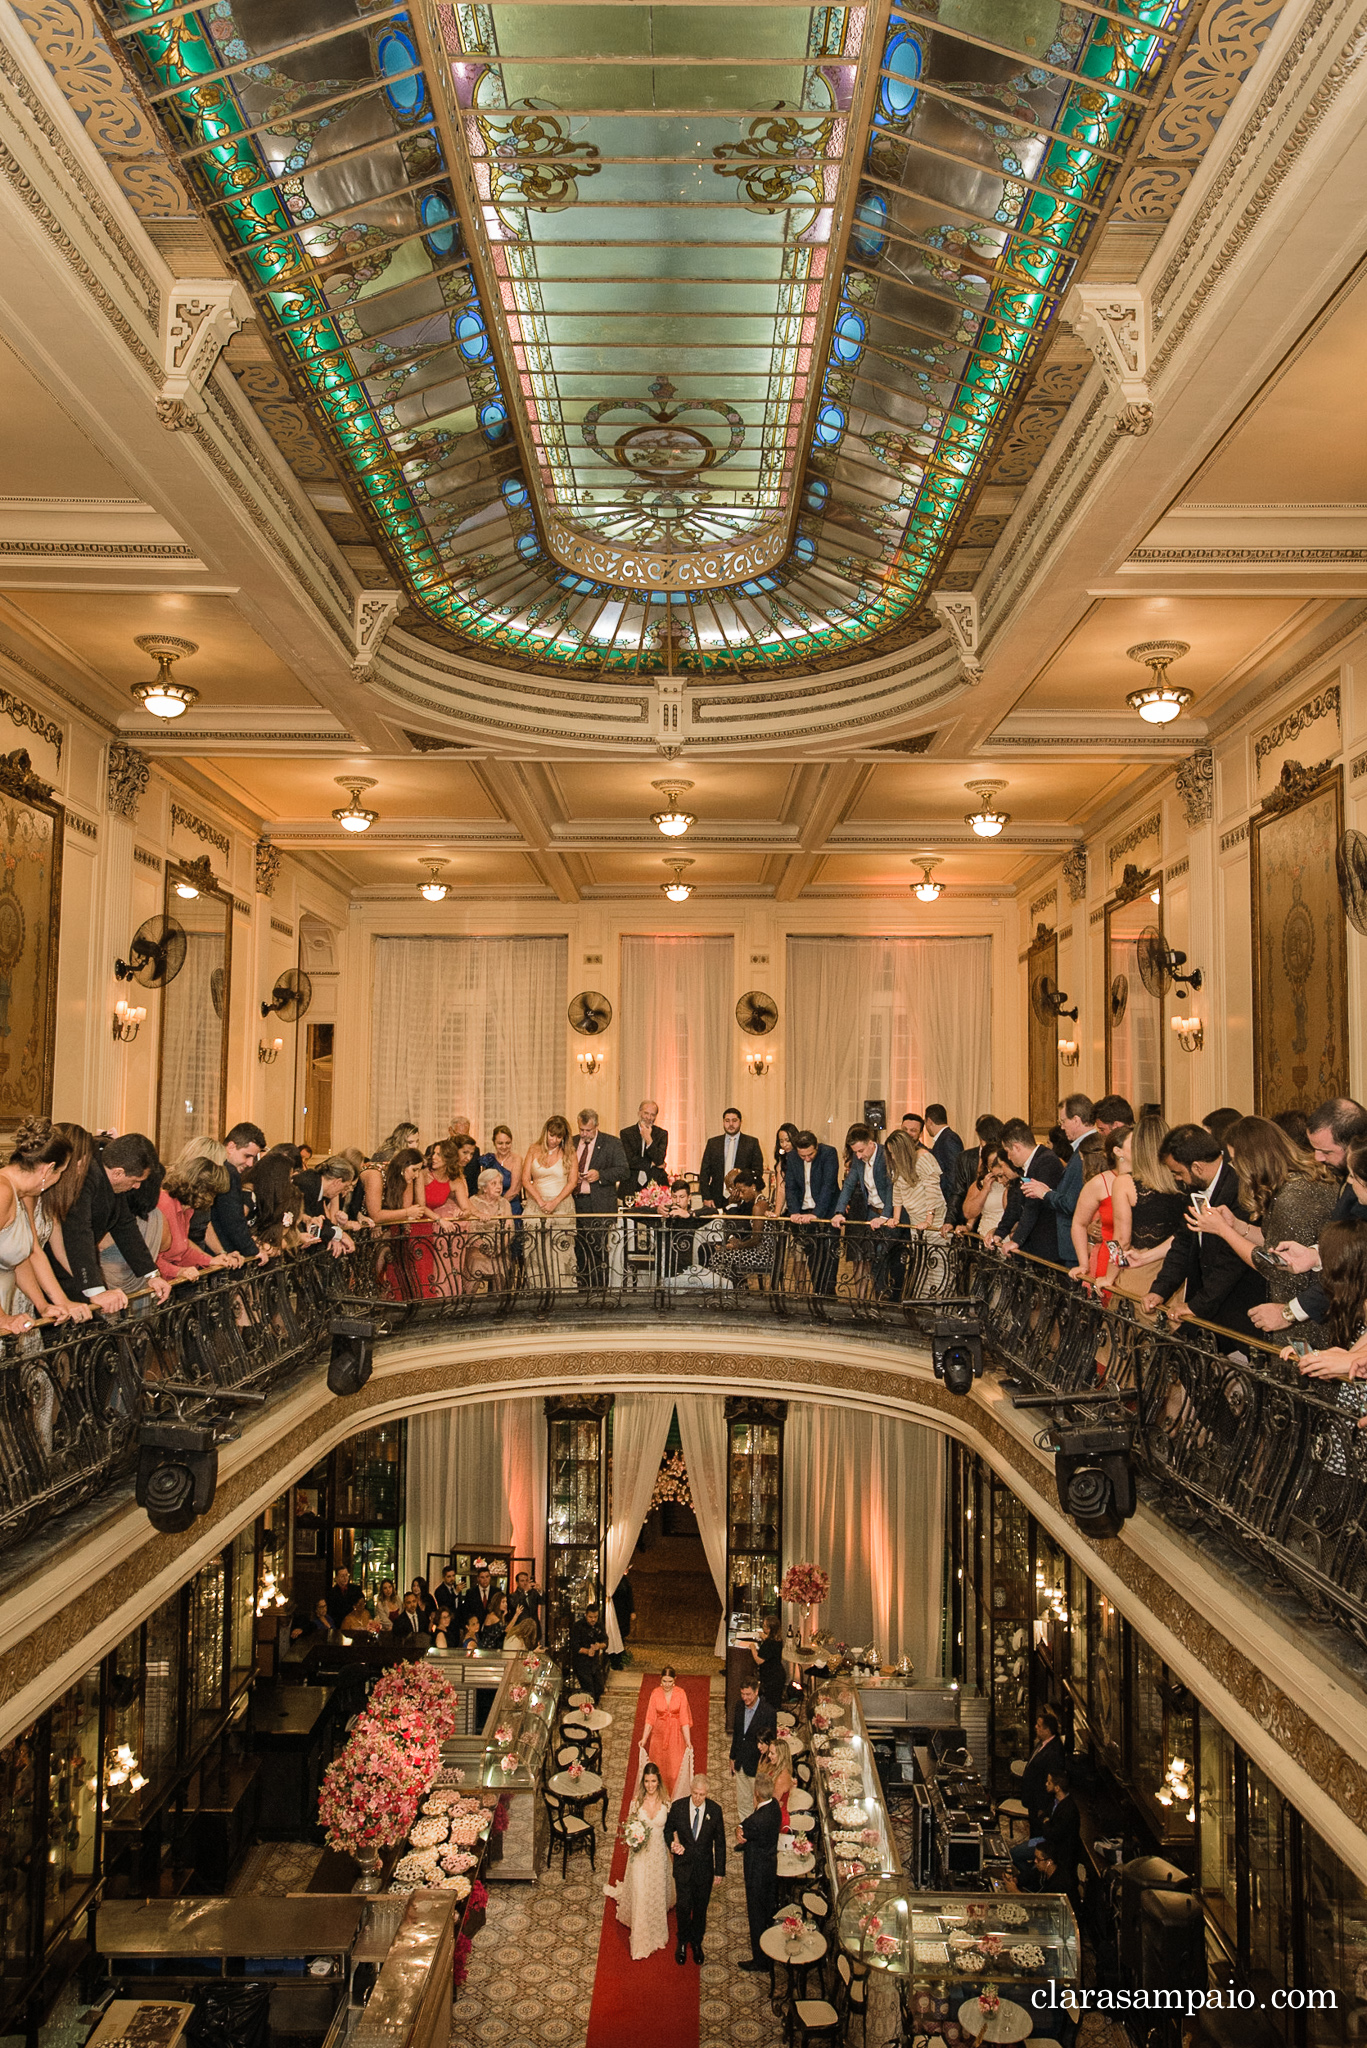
column 905, row 1021
column 702, row 1435
column 863, row 1497
column 677, row 1028
column 477, row 1474
column 468, row 1027
column 640, row 1428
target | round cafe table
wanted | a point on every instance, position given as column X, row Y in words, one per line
column 795, row 1866
column 597, row 1720
column 587, row 1786
column 796, row 1956
column 1012, row 2023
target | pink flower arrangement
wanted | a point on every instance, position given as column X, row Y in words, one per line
column 531, row 1663
column 886, row 1945
column 575, row 1771
column 363, row 1802
column 510, row 1759
column 654, row 1196
column 869, row 1924
column 991, row 1944
column 419, row 1690
column 801, row 1846
column 503, row 1733
column 805, row 1585
column 989, row 2001
column 791, row 1924
column 518, row 1694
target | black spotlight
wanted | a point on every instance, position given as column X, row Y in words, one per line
column 353, row 1355
column 1095, row 1477
column 177, row 1473
column 956, row 1350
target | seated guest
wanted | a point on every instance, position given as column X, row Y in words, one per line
column 722, row 1155
column 410, row 1620
column 86, row 1205
column 387, row 1605
column 678, row 1226
column 225, row 1228
column 445, row 1634
column 360, row 1621
column 341, row 1596
column 312, row 1627
column 588, row 1653
column 508, row 1164
column 427, row 1606
column 1062, row 1831
column 1051, row 1877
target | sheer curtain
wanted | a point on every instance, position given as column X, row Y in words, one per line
column 702, row 1434
column 863, row 1497
column 907, row 1021
column 640, row 1428
column 477, row 1474
column 677, row 1025
column 470, row 1027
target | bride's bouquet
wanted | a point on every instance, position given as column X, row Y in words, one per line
column 635, row 1833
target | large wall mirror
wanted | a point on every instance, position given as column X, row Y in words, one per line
column 1134, row 1003
column 193, row 1080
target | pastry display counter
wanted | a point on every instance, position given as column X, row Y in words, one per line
column 1008, row 1958
column 507, row 1754
column 852, row 1814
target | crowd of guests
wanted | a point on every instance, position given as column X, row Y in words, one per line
column 456, row 1614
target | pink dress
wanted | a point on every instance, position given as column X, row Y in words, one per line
column 671, row 1739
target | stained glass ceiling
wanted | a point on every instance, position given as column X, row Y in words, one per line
column 657, row 337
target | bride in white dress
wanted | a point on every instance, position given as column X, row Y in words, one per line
column 646, row 1892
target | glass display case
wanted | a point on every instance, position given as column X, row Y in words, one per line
column 955, row 1952
column 754, row 1512
column 851, row 1811
column 576, row 1519
column 349, row 1510
column 519, row 1726
column 72, row 1823
column 205, row 1649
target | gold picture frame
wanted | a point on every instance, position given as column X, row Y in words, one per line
column 31, row 827
column 1300, row 943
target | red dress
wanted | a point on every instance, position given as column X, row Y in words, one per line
column 427, row 1268
column 1105, row 1216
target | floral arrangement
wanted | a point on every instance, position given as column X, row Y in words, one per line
column 479, row 1897
column 801, row 1846
column 854, row 1869
column 501, row 1817
column 989, row 2001
column 531, row 1663
column 820, row 1721
column 671, row 1482
column 460, row 1967
column 367, row 1800
column 886, row 1945
column 510, row 1759
column 990, row 1944
column 503, row 1734
column 416, row 1690
column 655, row 1195
column 792, row 1925
column 635, row 1834
column 805, row 1585
column 518, row 1694
column 869, row 1835
column 575, row 1771
column 870, row 1924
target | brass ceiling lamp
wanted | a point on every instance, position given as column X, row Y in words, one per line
column 1162, row 700
column 354, row 817
column 672, row 821
column 162, row 697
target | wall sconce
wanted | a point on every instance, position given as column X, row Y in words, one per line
column 591, row 1063
column 269, row 1054
column 1191, row 1034
column 126, row 1022
column 757, row 1064
column 1067, row 1051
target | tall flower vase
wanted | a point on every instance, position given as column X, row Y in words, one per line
column 371, row 1878
column 808, row 1623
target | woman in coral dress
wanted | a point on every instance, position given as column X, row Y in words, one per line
column 668, row 1739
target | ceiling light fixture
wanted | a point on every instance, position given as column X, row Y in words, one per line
column 986, row 822
column 162, row 697
column 672, row 821
column 678, row 891
column 354, row 817
column 1161, row 702
column 925, row 890
column 432, row 891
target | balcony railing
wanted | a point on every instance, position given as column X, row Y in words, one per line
column 1237, row 1446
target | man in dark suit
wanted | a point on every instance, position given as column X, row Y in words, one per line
column 811, row 1182
column 1220, row 1287
column 588, row 1652
column 695, row 1836
column 600, row 1167
column 1062, row 1835
column 757, row 1839
column 100, row 1211
column 243, row 1145
column 734, row 1148
column 865, row 1204
column 341, row 1596
column 1026, row 1225
column 645, row 1143
column 753, row 1722
column 410, row 1622
column 475, row 1605
column 1045, row 1758
column 947, row 1147
column 1330, row 1130
column 1077, row 1120
column 525, row 1601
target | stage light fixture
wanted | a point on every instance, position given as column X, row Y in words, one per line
column 177, row 1473
column 353, row 1354
column 1095, row 1476
column 956, row 1351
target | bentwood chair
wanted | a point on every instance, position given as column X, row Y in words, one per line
column 568, row 1831
column 813, row 2019
column 856, row 1988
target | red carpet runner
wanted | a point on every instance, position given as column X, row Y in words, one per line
column 652, row 2001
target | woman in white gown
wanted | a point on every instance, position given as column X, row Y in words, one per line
column 646, row 1892
column 548, row 1206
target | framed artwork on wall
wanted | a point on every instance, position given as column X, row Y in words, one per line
column 1300, row 943
column 30, row 921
